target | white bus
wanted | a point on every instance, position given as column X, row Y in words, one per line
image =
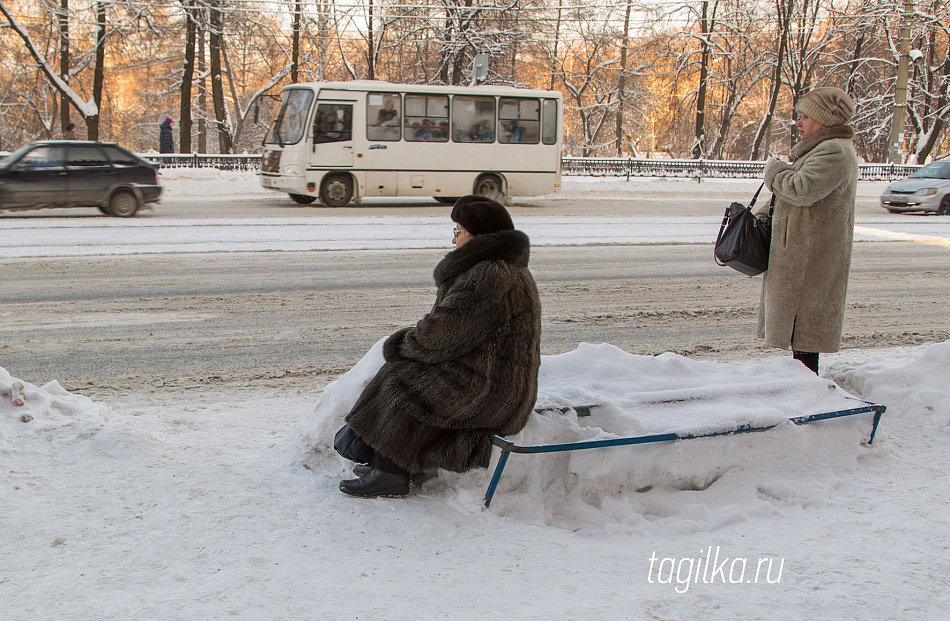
column 343, row 141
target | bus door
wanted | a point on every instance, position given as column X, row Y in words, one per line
column 332, row 135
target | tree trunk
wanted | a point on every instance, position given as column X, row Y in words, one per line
column 202, row 89
column 371, row 44
column 295, row 49
column 187, row 80
column 939, row 110
column 622, row 80
column 215, row 41
column 707, row 23
column 98, row 75
column 784, row 8
column 64, row 60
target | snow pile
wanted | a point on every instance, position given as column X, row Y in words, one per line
column 48, row 413
column 639, row 395
column 919, row 386
column 209, row 182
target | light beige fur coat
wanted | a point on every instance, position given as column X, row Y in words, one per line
column 804, row 289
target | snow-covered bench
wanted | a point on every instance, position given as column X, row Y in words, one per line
column 507, row 447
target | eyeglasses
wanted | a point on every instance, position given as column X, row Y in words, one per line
column 456, row 232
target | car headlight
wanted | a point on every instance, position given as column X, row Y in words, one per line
column 294, row 171
column 926, row 191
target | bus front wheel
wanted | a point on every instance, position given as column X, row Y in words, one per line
column 302, row 199
column 336, row 190
column 490, row 186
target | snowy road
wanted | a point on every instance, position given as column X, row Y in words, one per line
column 60, row 237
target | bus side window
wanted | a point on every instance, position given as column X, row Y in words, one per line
column 549, row 126
column 427, row 118
column 473, row 119
column 519, row 120
column 333, row 123
column 382, row 116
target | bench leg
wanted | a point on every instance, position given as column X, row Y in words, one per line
column 877, row 419
column 496, row 476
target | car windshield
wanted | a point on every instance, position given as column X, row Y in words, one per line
column 936, row 170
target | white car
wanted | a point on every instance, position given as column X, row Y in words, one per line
column 928, row 189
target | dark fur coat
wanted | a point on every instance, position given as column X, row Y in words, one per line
column 467, row 370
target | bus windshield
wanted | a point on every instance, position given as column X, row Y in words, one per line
column 291, row 122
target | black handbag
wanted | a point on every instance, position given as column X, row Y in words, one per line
column 743, row 241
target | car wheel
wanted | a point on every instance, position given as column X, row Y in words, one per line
column 490, row 186
column 123, row 204
column 446, row 200
column 944, row 209
column 336, row 190
column 302, row 199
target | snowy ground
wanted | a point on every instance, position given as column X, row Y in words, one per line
column 223, row 503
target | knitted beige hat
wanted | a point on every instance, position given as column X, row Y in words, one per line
column 828, row 105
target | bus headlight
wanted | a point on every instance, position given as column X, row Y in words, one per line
column 291, row 171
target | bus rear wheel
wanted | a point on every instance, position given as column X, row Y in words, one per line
column 336, row 190
column 302, row 199
column 490, row 186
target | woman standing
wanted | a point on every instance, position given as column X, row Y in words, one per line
column 466, row 371
column 804, row 289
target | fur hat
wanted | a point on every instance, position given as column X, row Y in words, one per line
column 828, row 105
column 480, row 215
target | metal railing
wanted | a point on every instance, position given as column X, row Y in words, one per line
column 576, row 167
column 570, row 166
column 244, row 161
column 704, row 169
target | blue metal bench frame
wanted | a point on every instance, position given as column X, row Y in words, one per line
column 507, row 448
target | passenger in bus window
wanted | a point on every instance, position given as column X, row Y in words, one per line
column 333, row 129
column 513, row 132
column 481, row 132
column 388, row 115
column 387, row 122
column 425, row 131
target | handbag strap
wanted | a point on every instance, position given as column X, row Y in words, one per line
column 756, row 196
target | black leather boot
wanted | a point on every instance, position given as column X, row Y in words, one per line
column 377, row 483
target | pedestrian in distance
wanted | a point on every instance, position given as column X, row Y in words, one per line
column 166, row 142
column 804, row 289
column 468, row 370
column 70, row 132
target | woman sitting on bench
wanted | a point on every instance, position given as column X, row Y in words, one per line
column 466, row 371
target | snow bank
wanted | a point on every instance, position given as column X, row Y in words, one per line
column 210, row 182
column 49, row 413
column 918, row 388
column 638, row 395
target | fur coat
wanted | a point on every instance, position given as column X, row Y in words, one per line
column 467, row 370
column 804, row 289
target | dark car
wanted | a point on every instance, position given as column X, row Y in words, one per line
column 928, row 189
column 69, row 173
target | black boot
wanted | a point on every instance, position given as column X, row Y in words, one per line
column 380, row 477
column 361, row 469
column 807, row 358
column 377, row 483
